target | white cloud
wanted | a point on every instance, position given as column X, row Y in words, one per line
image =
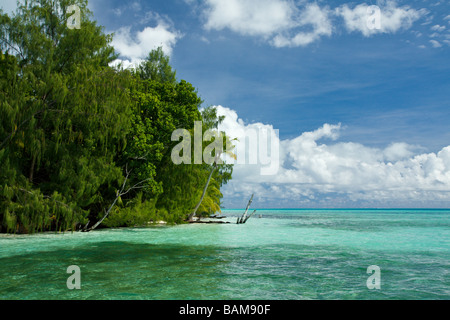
column 249, row 17
column 280, row 22
column 438, row 28
column 133, row 48
column 314, row 16
column 398, row 151
column 435, row 44
column 283, row 23
column 315, row 164
column 257, row 145
column 392, row 18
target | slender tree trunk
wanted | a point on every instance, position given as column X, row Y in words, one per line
column 104, row 217
column 33, row 163
column 119, row 194
column 192, row 215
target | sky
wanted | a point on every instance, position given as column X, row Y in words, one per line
column 357, row 100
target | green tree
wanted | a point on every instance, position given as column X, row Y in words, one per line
column 81, row 142
column 65, row 115
column 162, row 106
column 211, row 190
column 157, row 67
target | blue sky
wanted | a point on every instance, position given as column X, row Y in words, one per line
column 297, row 66
column 384, row 88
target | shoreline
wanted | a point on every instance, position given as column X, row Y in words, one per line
column 150, row 224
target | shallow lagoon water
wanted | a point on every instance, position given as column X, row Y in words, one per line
column 284, row 255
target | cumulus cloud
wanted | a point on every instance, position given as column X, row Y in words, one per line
column 249, row 17
column 391, row 18
column 257, row 145
column 435, row 44
column 279, row 21
column 133, row 47
column 314, row 16
column 316, row 164
column 285, row 24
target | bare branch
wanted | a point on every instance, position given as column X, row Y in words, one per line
column 119, row 194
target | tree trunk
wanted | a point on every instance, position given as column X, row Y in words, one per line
column 192, row 215
column 249, row 217
column 241, row 220
column 104, row 217
column 119, row 194
column 33, row 163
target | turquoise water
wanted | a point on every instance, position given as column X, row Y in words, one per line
column 284, row 254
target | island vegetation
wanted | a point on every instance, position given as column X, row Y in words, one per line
column 84, row 142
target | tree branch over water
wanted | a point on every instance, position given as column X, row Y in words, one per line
column 119, row 194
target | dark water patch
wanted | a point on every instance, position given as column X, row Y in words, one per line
column 111, row 270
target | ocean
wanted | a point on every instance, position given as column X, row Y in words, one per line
column 288, row 254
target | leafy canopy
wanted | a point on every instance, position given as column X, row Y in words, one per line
column 72, row 128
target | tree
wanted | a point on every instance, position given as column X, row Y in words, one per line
column 65, row 115
column 157, row 67
column 160, row 106
column 81, row 141
column 212, row 121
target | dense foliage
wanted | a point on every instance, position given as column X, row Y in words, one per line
column 74, row 130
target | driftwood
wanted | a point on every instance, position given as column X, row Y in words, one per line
column 243, row 219
column 217, row 217
column 249, row 217
column 246, row 210
column 210, row 222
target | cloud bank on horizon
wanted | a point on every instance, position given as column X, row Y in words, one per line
column 314, row 167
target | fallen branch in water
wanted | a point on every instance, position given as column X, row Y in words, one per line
column 249, row 217
column 244, row 217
